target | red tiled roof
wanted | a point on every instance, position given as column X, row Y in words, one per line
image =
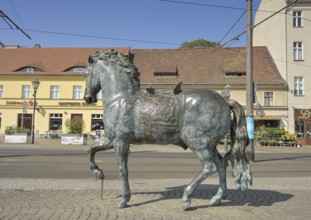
column 53, row 61
column 205, row 65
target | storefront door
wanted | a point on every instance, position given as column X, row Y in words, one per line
column 25, row 120
column 308, row 132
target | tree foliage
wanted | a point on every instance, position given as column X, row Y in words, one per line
column 199, row 43
column 74, row 126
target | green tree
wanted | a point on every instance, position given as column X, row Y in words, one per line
column 199, row 43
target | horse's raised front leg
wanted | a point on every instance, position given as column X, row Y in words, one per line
column 102, row 145
column 221, row 168
column 208, row 169
column 122, row 151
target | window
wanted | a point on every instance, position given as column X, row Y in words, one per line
column 1, row 91
column 78, row 69
column 268, row 98
column 24, row 121
column 97, row 122
column 0, row 118
column 298, row 85
column 54, row 92
column 56, row 121
column 235, row 74
column 26, row 91
column 29, row 69
column 77, row 92
column 298, row 51
column 165, row 74
column 299, row 128
column 297, row 19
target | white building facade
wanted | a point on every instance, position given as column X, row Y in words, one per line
column 287, row 35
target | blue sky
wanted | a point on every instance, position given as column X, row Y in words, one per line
column 121, row 23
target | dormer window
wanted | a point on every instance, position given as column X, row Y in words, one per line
column 235, row 74
column 76, row 69
column 29, row 69
column 165, row 74
column 166, row 71
column 79, row 69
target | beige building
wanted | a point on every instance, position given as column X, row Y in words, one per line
column 287, row 36
column 223, row 70
column 61, row 73
column 60, row 94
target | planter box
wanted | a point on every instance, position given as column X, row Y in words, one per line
column 79, row 139
column 17, row 138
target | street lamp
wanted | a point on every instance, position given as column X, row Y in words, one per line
column 227, row 92
column 226, row 95
column 35, row 85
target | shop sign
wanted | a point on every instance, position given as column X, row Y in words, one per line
column 303, row 113
column 75, row 104
column 30, row 102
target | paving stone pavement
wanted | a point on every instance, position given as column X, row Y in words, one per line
column 268, row 198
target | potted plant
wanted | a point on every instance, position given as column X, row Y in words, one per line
column 74, row 132
column 17, row 135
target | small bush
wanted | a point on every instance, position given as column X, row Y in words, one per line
column 74, row 126
column 14, row 130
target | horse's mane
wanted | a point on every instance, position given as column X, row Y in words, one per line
column 117, row 58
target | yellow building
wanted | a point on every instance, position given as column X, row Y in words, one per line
column 60, row 94
column 62, row 83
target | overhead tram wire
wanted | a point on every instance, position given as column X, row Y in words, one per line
column 99, row 37
column 230, row 29
column 8, row 20
column 222, row 6
column 242, row 33
column 19, row 18
column 201, row 4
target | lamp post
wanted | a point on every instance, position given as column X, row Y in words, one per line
column 35, row 85
column 226, row 95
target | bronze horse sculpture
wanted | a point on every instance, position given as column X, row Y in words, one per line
column 196, row 119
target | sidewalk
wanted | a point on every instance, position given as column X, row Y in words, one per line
column 269, row 198
column 56, row 143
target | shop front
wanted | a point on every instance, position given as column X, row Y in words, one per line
column 303, row 125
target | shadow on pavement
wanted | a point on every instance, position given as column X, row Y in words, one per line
column 252, row 197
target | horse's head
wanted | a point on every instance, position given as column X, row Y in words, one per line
column 113, row 73
column 92, row 80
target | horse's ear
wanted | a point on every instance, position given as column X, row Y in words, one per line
column 90, row 60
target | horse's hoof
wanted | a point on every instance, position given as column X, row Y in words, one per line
column 98, row 174
column 224, row 196
column 121, row 205
column 186, row 204
column 215, row 201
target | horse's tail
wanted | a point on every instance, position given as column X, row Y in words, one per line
column 239, row 141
